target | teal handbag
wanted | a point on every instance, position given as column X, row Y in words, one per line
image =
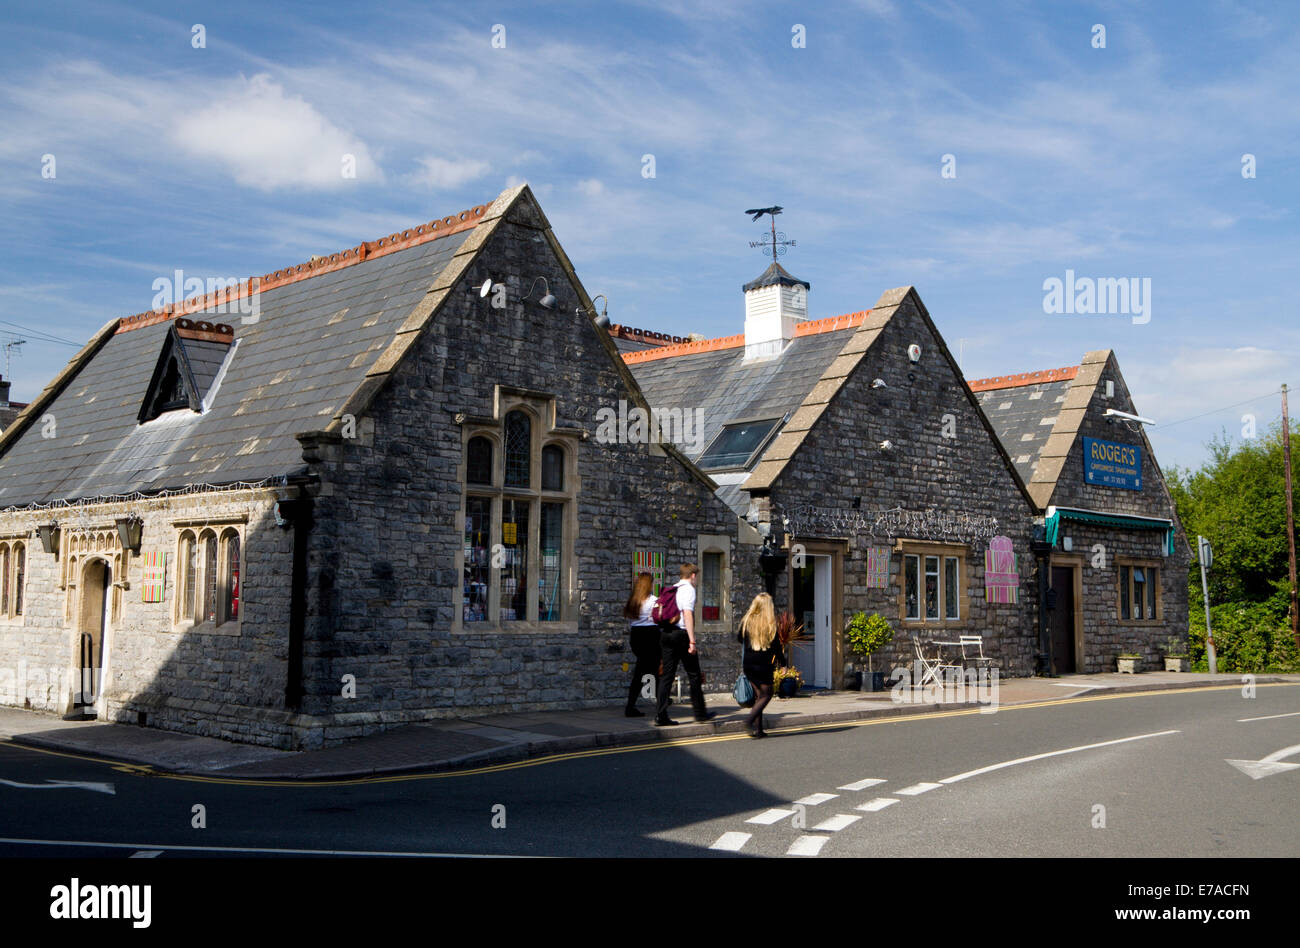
column 744, row 691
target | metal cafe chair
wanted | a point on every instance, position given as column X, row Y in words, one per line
column 930, row 666
column 972, row 650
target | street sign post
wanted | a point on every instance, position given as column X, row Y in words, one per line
column 1206, row 555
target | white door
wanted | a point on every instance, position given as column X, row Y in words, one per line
column 822, row 645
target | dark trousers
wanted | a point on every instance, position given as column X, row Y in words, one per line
column 675, row 643
column 646, row 648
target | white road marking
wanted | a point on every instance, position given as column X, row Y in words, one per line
column 1068, row 750
column 813, row 799
column 916, row 788
column 164, row 847
column 879, row 803
column 837, row 822
column 732, row 842
column 1267, row 766
column 63, row 785
column 146, row 854
column 861, row 784
column 807, row 846
column 768, row 817
column 1269, row 717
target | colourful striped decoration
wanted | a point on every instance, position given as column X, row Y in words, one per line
column 877, row 567
column 1001, row 578
column 652, row 563
column 153, row 587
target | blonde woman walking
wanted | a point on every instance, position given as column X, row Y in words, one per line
column 761, row 654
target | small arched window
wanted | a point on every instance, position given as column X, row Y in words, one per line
column 519, row 449
column 188, row 575
column 230, row 582
column 20, row 563
column 552, row 467
column 4, row 580
column 478, row 461
column 209, row 541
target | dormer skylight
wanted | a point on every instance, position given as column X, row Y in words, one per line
column 189, row 363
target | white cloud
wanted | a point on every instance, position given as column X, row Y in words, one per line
column 267, row 139
column 440, row 173
column 591, row 187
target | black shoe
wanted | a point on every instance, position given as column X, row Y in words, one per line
column 757, row 734
column 707, row 717
column 664, row 721
column 633, row 713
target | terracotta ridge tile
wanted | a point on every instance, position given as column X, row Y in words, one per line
column 367, row 249
column 1023, row 378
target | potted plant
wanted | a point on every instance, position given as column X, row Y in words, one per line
column 1175, row 655
column 865, row 635
column 787, row 681
column 1129, row 663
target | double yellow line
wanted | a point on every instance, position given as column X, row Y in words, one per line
column 145, row 770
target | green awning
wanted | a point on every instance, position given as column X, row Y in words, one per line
column 1124, row 521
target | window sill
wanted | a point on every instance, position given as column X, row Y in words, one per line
column 207, row 628
column 514, row 628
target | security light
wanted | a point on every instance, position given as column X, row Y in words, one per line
column 547, row 301
column 1126, row 416
column 878, row 383
column 486, row 288
column 914, row 352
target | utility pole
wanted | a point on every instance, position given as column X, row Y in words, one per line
column 1206, row 556
column 1290, row 517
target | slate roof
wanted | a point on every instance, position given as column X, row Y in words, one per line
column 290, row 371
column 726, row 388
column 1023, row 418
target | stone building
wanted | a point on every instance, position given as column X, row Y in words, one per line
column 362, row 491
column 898, row 488
column 1118, row 554
column 8, row 410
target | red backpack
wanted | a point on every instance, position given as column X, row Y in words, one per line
column 665, row 610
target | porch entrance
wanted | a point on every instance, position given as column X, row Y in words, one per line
column 1062, row 620
column 96, row 589
column 812, row 604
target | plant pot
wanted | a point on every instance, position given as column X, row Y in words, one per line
column 1129, row 666
column 1175, row 664
column 788, row 688
column 875, row 681
column 853, row 681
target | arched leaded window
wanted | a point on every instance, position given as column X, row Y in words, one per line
column 478, row 461
column 519, row 450
column 230, row 576
column 552, row 467
column 209, row 543
column 4, row 580
column 20, row 564
column 187, row 575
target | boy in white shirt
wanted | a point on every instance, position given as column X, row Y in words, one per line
column 679, row 645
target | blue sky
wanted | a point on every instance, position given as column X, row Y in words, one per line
column 1122, row 161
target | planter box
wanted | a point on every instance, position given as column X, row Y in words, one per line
column 1176, row 664
column 1130, row 666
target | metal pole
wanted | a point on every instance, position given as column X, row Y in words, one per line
column 1205, row 587
column 1290, row 517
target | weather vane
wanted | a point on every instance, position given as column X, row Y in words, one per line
column 778, row 244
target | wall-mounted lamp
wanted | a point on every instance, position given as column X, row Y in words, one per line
column 886, row 446
column 878, row 383
column 547, row 301
column 129, row 531
column 49, row 534
column 603, row 319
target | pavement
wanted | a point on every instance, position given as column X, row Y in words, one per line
column 461, row 743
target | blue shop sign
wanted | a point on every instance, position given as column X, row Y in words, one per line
column 1108, row 464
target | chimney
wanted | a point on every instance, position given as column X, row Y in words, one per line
column 4, row 392
column 775, row 303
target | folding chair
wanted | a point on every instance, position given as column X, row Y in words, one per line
column 975, row 644
column 929, row 666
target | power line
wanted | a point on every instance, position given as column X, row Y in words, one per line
column 1215, row 411
column 42, row 336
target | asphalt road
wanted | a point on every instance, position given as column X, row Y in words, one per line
column 1159, row 786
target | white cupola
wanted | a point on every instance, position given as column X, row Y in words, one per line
column 775, row 303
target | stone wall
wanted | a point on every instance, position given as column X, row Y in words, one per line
column 224, row 681
column 1105, row 635
column 387, row 552
column 841, row 461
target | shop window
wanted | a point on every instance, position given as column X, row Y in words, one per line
column 711, row 587
column 1139, row 591
column 931, row 583
column 230, row 591
column 209, row 572
column 516, row 528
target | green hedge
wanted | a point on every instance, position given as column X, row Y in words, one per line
column 1248, row 636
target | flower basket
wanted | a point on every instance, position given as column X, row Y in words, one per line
column 787, row 682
